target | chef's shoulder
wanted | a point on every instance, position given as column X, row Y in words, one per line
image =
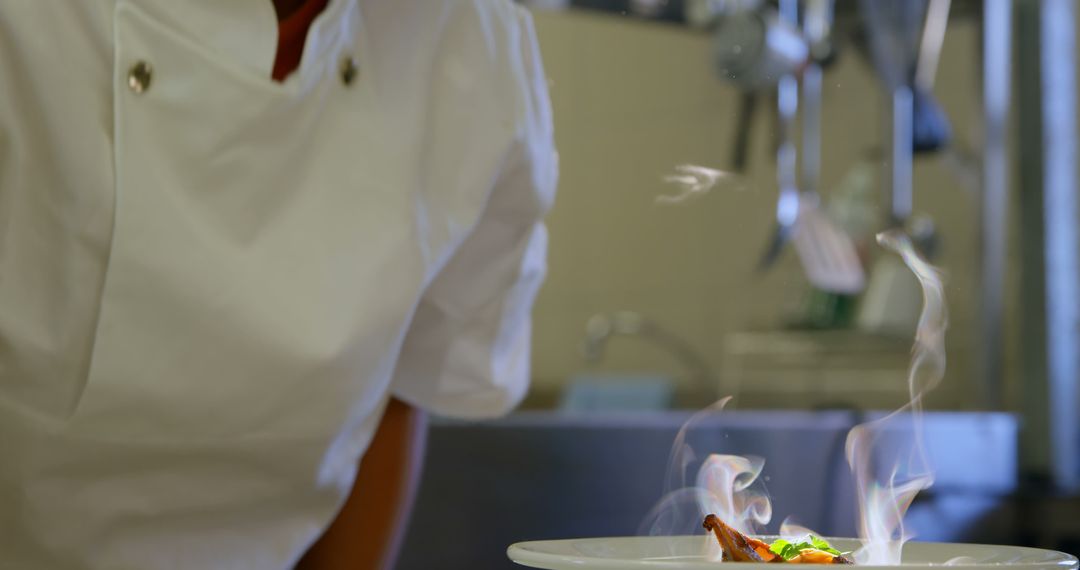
column 477, row 44
column 497, row 23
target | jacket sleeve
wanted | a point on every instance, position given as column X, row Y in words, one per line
column 466, row 353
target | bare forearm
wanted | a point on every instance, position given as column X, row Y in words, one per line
column 369, row 529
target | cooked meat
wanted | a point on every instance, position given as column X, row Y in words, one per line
column 737, row 547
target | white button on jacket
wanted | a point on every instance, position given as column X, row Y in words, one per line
column 211, row 283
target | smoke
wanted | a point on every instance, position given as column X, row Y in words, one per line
column 883, row 500
column 728, row 485
column 691, row 181
column 725, row 485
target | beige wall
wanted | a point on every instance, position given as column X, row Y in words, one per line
column 632, row 100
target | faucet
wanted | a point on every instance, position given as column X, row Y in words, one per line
column 600, row 328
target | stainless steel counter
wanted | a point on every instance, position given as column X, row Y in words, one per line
column 540, row 475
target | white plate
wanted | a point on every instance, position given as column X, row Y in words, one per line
column 688, row 553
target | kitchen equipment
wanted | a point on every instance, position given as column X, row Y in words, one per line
column 705, row 13
column 931, row 125
column 787, row 103
column 594, row 392
column 827, row 254
column 815, row 368
column 752, row 48
column 787, row 203
column 740, row 149
column 601, row 328
column 903, row 41
column 893, row 299
column 755, row 48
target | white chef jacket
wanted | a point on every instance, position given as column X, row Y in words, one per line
column 211, row 283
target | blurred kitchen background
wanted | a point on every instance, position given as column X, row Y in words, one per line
column 654, row 307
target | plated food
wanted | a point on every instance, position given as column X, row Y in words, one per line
column 685, row 552
column 737, row 547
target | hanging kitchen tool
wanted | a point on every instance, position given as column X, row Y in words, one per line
column 903, row 41
column 824, row 248
column 787, row 102
column 934, row 122
column 740, row 149
column 752, row 49
column 892, row 35
column 828, row 256
column 930, row 125
column 893, row 297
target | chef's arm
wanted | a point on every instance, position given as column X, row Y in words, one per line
column 368, row 531
column 466, row 354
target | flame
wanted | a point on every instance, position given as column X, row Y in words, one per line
column 882, row 503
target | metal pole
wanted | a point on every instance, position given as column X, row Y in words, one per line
column 997, row 54
column 787, row 100
column 816, row 27
column 1031, row 335
column 900, row 156
column 1061, row 219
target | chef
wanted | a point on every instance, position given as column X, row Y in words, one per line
column 231, row 233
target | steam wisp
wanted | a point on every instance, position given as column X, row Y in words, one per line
column 883, row 501
column 691, row 180
column 793, row 531
column 724, row 489
column 725, row 485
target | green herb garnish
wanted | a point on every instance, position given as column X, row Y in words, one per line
column 785, row 549
column 788, row 550
column 820, row 544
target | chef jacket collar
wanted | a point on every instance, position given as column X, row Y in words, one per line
column 246, row 31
